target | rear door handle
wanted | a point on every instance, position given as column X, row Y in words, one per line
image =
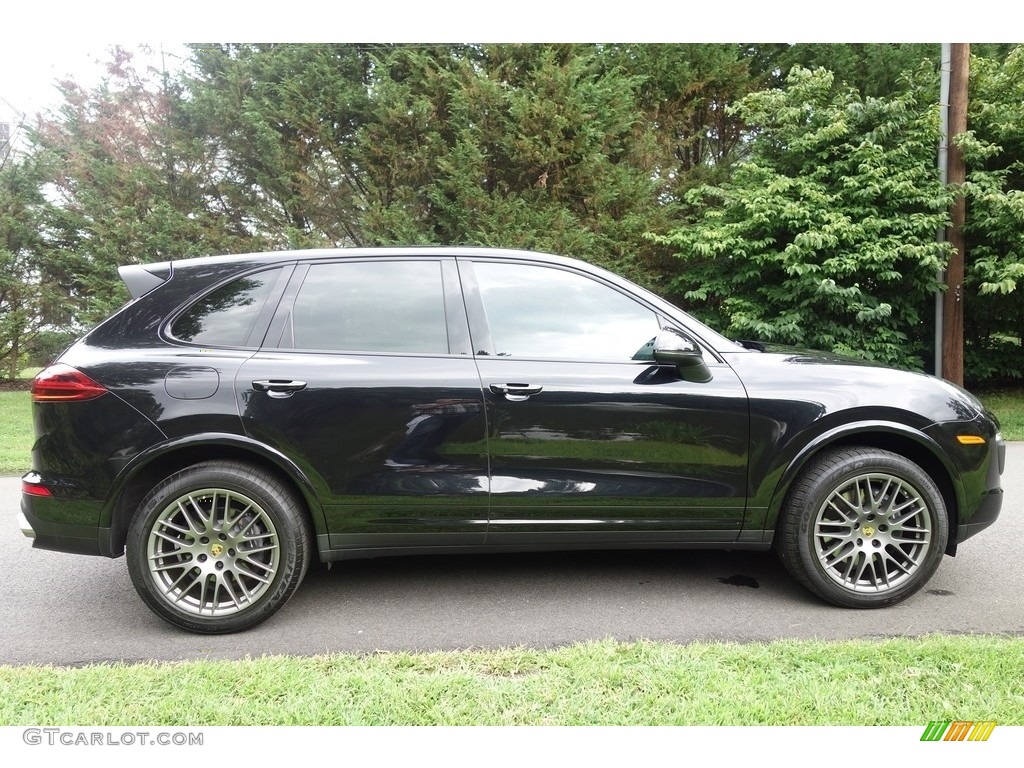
column 515, row 392
column 279, row 386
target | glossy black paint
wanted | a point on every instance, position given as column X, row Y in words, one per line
column 614, row 450
column 373, row 435
column 407, row 452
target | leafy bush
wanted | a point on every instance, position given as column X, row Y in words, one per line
column 826, row 237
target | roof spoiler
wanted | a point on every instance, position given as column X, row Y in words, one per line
column 143, row 278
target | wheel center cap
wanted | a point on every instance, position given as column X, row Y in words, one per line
column 217, row 550
column 868, row 531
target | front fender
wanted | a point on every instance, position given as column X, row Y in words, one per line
column 899, row 438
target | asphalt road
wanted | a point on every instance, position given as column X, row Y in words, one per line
column 66, row 609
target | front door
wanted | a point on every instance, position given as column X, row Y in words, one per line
column 589, row 440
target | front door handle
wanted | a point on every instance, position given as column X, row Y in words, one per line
column 517, row 393
column 279, row 386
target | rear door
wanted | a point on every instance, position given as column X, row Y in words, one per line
column 590, row 441
column 366, row 381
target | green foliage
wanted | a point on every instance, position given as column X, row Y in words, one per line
column 805, row 212
column 283, row 119
column 45, row 346
column 683, row 96
column 994, row 152
column 515, row 146
column 873, row 69
column 825, row 238
column 130, row 183
column 28, row 301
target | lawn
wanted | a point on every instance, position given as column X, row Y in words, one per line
column 16, row 431
column 1008, row 406
column 887, row 682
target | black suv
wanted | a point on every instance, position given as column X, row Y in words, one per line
column 244, row 416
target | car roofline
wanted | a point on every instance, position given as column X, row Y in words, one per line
column 142, row 278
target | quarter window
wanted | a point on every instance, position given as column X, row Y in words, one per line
column 385, row 306
column 540, row 312
column 225, row 317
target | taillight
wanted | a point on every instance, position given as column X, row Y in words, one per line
column 34, row 489
column 61, row 383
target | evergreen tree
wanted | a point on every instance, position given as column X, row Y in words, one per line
column 825, row 238
column 130, row 183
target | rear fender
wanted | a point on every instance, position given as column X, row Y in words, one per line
column 161, row 460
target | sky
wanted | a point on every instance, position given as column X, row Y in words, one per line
column 29, row 72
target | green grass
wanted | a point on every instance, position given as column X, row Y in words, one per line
column 15, row 432
column 890, row 682
column 1008, row 406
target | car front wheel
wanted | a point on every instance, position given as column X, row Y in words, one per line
column 218, row 547
column 863, row 528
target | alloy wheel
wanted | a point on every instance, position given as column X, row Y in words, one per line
column 872, row 533
column 213, row 552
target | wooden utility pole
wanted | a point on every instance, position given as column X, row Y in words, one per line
column 953, row 304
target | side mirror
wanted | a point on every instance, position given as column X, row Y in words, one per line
column 673, row 347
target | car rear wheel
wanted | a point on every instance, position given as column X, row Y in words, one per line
column 218, row 547
column 863, row 528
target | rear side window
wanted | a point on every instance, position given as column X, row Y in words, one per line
column 225, row 317
column 385, row 306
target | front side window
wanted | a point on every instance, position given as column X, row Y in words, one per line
column 225, row 317
column 542, row 312
column 384, row 306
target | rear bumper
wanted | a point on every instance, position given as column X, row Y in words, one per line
column 25, row 525
column 40, row 520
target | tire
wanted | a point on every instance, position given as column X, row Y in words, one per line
column 218, row 547
column 863, row 528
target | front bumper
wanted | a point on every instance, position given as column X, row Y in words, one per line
column 989, row 493
column 976, row 469
column 991, row 498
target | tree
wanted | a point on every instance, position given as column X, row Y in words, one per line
column 825, row 238
column 26, row 300
column 522, row 146
column 684, row 95
column 803, row 213
column 994, row 151
column 519, row 146
column 282, row 120
column 130, row 183
column 873, row 69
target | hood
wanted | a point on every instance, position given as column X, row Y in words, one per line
column 799, row 355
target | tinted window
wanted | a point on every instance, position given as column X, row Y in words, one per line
column 225, row 317
column 386, row 306
column 551, row 313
